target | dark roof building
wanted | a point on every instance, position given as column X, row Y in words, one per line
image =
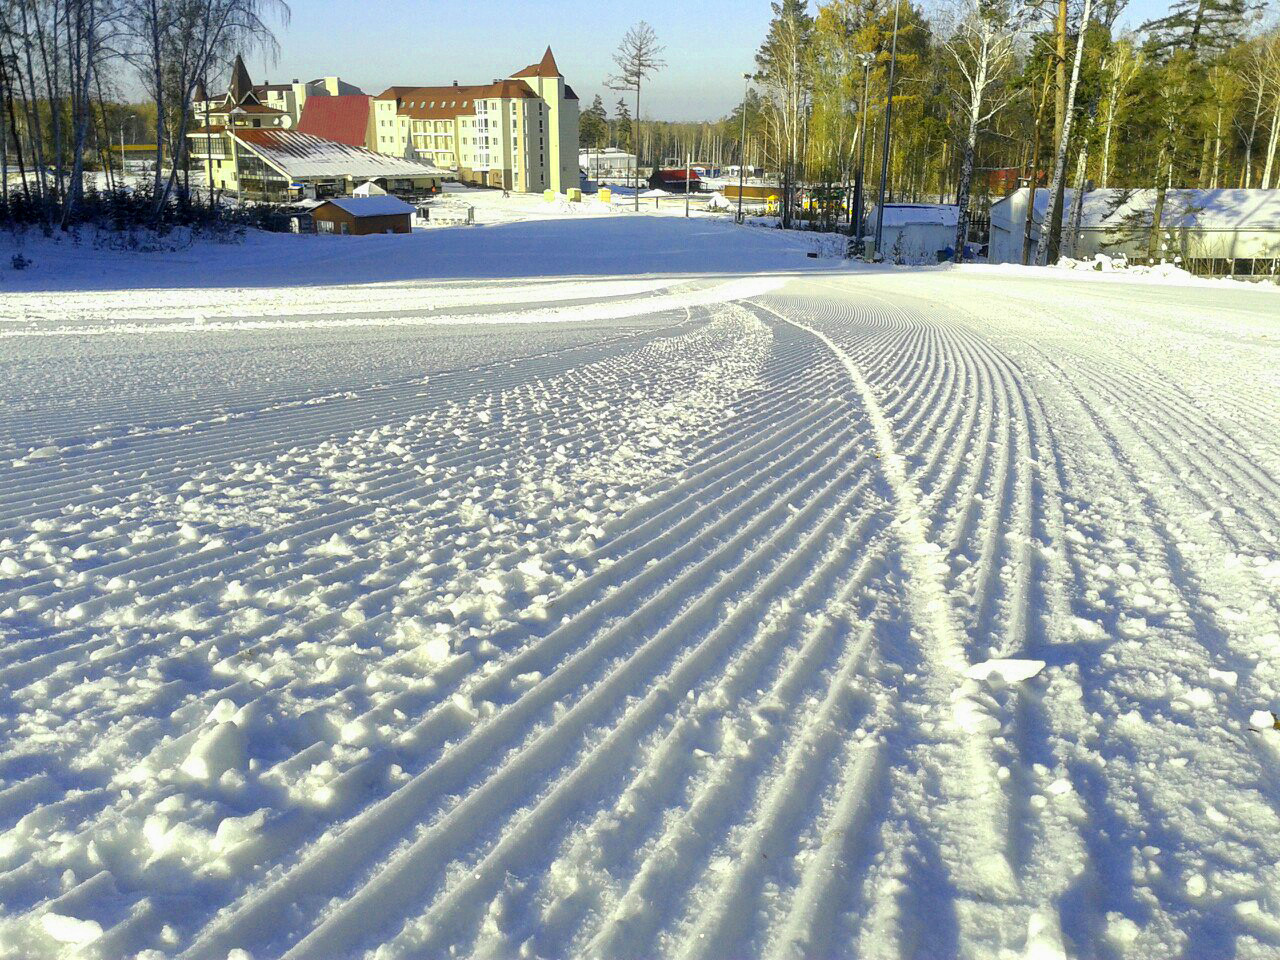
column 674, row 181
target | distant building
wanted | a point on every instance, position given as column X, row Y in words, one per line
column 676, row 181
column 519, row 134
column 289, row 99
column 361, row 216
column 252, row 150
column 1210, row 231
column 916, row 232
column 608, row 163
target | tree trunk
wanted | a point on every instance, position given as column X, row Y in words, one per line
column 1271, row 147
column 966, row 175
column 1061, row 126
column 1053, row 217
column 1203, row 178
column 35, row 130
column 17, row 140
column 1217, row 149
column 1157, row 217
column 1077, row 202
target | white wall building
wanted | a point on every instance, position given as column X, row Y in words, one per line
column 915, row 232
column 1241, row 228
column 287, row 98
column 607, row 163
column 520, row 133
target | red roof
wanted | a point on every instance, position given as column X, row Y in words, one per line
column 344, row 119
column 442, row 103
column 676, row 176
column 544, row 68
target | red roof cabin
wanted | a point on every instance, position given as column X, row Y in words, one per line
column 673, row 181
column 361, row 216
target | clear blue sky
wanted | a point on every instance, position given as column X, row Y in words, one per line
column 377, row 43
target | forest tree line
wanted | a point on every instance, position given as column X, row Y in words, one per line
column 65, row 67
column 983, row 92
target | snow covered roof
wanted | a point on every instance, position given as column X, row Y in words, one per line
column 300, row 155
column 1192, row 209
column 918, row 214
column 371, row 206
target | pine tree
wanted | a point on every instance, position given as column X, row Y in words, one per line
column 622, row 124
column 593, row 125
column 1203, row 28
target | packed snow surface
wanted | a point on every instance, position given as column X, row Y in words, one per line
column 793, row 614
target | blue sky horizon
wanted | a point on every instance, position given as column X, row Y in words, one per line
column 475, row 41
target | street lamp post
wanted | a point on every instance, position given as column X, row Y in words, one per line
column 742, row 144
column 855, row 220
column 888, row 125
column 128, row 120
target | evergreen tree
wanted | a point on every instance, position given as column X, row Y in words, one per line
column 1202, row 28
column 622, row 124
column 593, row 125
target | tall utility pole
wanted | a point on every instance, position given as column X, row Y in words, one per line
column 888, row 126
column 742, row 144
column 855, row 220
column 128, row 120
column 688, row 167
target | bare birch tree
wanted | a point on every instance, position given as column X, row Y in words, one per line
column 1054, row 214
column 982, row 47
column 1119, row 68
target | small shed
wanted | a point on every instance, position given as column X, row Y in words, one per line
column 916, row 232
column 676, row 181
column 360, row 216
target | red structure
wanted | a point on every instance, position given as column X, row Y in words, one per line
column 345, row 119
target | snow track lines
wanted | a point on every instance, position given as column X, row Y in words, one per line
column 828, row 617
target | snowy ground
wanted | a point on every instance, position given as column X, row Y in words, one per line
column 745, row 606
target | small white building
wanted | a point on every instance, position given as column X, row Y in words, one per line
column 1216, row 231
column 608, row 163
column 916, row 232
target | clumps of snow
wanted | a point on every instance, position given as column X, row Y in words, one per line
column 70, row 930
column 1120, row 264
column 1005, row 671
column 1267, row 724
column 221, row 748
column 717, row 201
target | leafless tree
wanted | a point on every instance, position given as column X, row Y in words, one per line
column 176, row 45
column 982, row 46
column 638, row 57
column 1054, row 213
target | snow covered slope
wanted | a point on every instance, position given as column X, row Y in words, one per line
column 872, row 614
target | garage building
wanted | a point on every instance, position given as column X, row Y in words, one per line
column 361, row 216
